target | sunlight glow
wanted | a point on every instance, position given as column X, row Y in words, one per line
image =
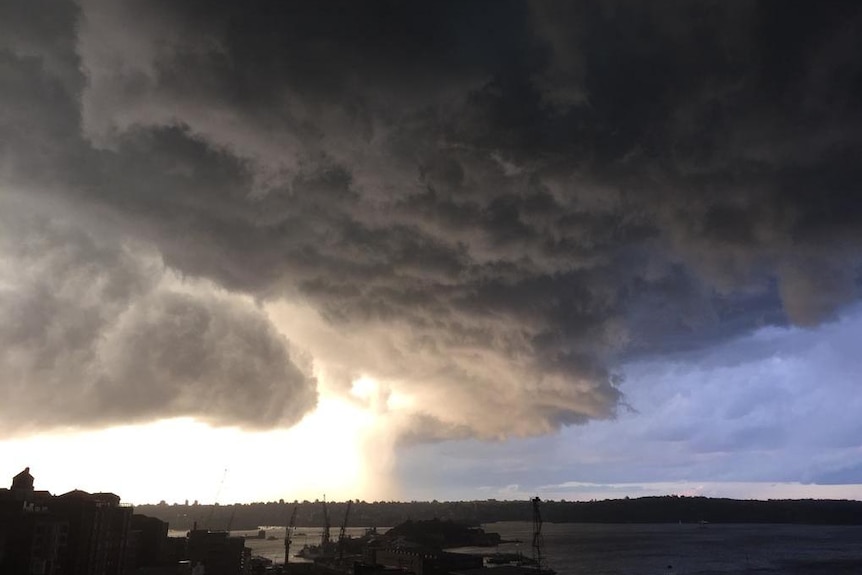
column 181, row 459
column 398, row 401
column 364, row 388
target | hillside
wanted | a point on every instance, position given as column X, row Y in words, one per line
column 668, row 509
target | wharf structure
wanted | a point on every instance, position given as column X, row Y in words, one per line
column 418, row 561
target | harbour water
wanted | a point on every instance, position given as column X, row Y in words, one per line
column 274, row 548
column 690, row 549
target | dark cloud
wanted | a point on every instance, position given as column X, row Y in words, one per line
column 511, row 198
column 97, row 332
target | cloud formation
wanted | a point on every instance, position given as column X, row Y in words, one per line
column 778, row 408
column 510, row 199
column 97, row 333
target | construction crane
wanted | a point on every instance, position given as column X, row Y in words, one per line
column 230, row 519
column 342, row 533
column 538, row 540
column 324, row 539
column 208, row 522
column 288, row 533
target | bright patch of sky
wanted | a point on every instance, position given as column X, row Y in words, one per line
column 773, row 414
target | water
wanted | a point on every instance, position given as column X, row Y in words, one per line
column 274, row 549
column 669, row 549
column 693, row 549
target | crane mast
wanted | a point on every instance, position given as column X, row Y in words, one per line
column 342, row 533
column 230, row 519
column 324, row 539
column 208, row 523
column 538, row 540
column 288, row 533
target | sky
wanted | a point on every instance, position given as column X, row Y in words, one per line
column 431, row 250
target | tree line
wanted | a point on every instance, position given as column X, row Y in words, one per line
column 666, row 509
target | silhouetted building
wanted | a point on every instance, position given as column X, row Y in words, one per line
column 148, row 537
column 32, row 540
column 23, row 482
column 77, row 533
column 175, row 550
column 219, row 553
column 98, row 531
column 80, row 533
column 22, row 489
column 151, row 552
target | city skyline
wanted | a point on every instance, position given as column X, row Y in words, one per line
column 395, row 251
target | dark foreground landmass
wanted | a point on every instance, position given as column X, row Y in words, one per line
column 669, row 509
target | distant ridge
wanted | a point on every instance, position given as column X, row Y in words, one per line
column 666, row 509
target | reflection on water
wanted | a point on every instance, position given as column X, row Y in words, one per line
column 274, row 548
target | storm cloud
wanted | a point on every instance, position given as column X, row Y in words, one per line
column 96, row 333
column 488, row 206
